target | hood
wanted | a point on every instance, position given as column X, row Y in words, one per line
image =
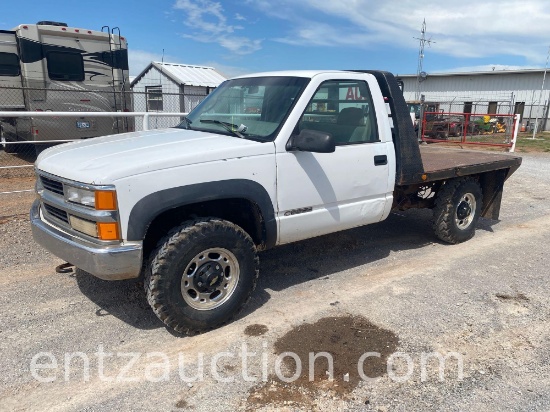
column 102, row 160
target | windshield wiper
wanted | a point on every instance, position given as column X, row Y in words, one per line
column 238, row 131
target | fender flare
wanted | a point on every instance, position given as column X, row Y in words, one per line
column 152, row 205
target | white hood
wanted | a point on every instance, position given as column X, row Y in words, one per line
column 102, row 160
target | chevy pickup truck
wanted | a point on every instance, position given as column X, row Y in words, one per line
column 266, row 159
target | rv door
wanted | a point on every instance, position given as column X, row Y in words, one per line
column 10, row 73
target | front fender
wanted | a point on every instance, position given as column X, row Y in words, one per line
column 152, row 205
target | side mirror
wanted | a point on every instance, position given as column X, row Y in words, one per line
column 312, row 141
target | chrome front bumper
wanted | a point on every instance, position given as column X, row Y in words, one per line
column 109, row 262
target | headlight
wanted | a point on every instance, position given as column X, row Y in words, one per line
column 81, row 196
column 99, row 199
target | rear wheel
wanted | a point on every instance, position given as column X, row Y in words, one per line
column 457, row 210
column 459, row 131
column 475, row 130
column 6, row 145
column 442, row 134
column 202, row 275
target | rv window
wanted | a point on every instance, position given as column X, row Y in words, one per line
column 9, row 64
column 65, row 66
column 154, row 98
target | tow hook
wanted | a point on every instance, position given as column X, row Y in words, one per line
column 64, row 268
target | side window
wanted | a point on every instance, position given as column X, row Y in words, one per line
column 65, row 66
column 154, row 98
column 344, row 109
column 9, row 64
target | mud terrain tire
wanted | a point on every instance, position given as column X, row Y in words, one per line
column 457, row 210
column 202, row 275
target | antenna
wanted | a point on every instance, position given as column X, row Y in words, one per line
column 161, row 66
column 421, row 74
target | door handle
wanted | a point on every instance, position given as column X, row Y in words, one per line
column 380, row 160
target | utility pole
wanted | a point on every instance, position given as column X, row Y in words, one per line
column 540, row 95
column 420, row 74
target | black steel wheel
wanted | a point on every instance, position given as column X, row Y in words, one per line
column 457, row 210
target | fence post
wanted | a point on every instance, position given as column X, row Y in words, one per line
column 146, row 121
column 466, row 126
column 515, row 133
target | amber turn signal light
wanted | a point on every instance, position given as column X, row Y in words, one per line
column 107, row 231
column 105, row 200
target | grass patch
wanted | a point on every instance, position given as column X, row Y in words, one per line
column 526, row 143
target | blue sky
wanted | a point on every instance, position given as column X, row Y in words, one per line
column 246, row 36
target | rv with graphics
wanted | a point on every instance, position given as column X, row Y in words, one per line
column 51, row 67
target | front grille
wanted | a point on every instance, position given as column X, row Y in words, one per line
column 56, row 212
column 52, row 185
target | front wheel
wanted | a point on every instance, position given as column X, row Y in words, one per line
column 457, row 210
column 202, row 275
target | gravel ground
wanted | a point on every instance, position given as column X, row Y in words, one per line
column 485, row 300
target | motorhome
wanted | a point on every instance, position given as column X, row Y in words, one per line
column 49, row 66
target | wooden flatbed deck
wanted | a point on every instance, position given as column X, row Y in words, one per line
column 444, row 163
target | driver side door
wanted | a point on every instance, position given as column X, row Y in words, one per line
column 319, row 193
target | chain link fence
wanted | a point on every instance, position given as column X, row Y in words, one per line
column 470, row 120
column 22, row 138
column 531, row 114
column 482, row 130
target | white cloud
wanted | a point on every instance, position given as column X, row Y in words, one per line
column 239, row 17
column 466, row 28
column 210, row 25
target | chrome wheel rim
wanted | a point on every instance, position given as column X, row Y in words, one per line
column 210, row 279
column 465, row 211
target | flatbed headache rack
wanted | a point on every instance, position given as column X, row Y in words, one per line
column 418, row 165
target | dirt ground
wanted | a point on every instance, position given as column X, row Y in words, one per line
column 389, row 288
column 20, row 180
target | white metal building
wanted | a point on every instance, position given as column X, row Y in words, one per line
column 172, row 87
column 493, row 92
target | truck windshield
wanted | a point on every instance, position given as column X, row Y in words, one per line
column 251, row 108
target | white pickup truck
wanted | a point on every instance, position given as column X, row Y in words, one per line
column 266, row 159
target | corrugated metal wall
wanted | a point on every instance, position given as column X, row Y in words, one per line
column 505, row 88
